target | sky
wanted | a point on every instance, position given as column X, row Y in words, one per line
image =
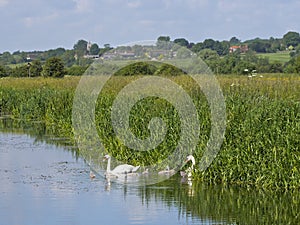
column 49, row 24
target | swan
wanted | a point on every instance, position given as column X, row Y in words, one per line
column 167, row 171
column 92, row 175
column 146, row 172
column 188, row 172
column 121, row 169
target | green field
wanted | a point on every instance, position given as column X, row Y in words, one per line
column 282, row 57
column 261, row 146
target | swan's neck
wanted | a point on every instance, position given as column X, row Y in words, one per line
column 108, row 165
column 190, row 168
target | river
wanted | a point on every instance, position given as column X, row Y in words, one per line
column 43, row 183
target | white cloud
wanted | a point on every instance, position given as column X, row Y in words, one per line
column 119, row 21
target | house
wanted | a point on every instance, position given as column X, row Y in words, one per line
column 91, row 56
column 118, row 54
column 241, row 48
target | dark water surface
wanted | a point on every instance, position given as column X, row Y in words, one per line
column 42, row 183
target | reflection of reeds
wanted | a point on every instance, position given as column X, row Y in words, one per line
column 262, row 140
column 226, row 205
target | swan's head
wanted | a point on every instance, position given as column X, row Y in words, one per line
column 106, row 157
column 190, row 158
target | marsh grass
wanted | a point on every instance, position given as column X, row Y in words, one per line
column 261, row 146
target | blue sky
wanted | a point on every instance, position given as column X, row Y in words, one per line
column 45, row 24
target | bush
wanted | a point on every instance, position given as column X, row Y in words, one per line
column 3, row 71
column 168, row 70
column 138, row 68
column 76, row 70
column 54, row 67
column 20, row 71
column 145, row 68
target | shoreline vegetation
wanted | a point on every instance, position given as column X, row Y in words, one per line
column 262, row 139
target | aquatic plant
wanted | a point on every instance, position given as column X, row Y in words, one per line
column 261, row 146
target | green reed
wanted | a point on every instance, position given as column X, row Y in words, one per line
column 261, row 146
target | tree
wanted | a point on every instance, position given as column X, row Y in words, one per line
column 35, row 69
column 293, row 66
column 164, row 38
column 7, row 58
column 163, row 42
column 80, row 48
column 181, row 41
column 222, row 48
column 276, row 67
column 84, row 61
column 234, row 41
column 296, row 52
column 69, row 58
column 20, row 71
column 183, row 53
column 94, row 49
column 3, row 71
column 54, row 67
column 53, row 53
column 259, row 45
column 228, row 63
column 291, row 39
column 209, row 43
column 208, row 54
column 107, row 46
column 138, row 50
column 197, row 47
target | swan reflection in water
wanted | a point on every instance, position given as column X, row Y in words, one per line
column 187, row 175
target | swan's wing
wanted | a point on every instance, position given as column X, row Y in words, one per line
column 124, row 168
column 135, row 168
column 110, row 174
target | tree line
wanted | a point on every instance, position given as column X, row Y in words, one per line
column 223, row 57
column 221, row 60
column 54, row 62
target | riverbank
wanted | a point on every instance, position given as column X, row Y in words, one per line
column 261, row 146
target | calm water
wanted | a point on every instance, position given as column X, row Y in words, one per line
column 45, row 184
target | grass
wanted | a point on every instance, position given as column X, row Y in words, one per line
column 68, row 82
column 283, row 56
column 261, row 146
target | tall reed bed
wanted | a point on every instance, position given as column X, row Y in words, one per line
column 262, row 139
column 39, row 99
column 262, row 143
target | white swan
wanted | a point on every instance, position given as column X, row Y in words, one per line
column 121, row 169
column 188, row 172
column 167, row 171
column 92, row 175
